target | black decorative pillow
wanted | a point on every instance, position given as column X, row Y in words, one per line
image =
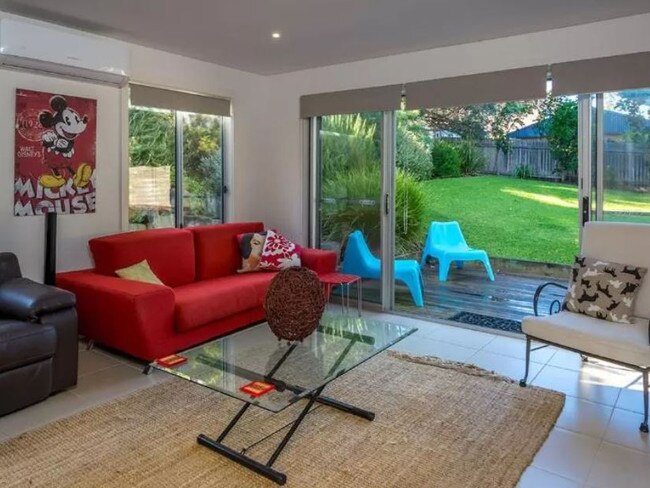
column 602, row 289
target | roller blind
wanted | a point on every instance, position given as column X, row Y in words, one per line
column 602, row 74
column 497, row 86
column 374, row 99
column 147, row 96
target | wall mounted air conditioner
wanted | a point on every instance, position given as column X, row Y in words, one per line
column 30, row 46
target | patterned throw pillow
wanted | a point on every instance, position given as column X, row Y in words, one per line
column 602, row 289
column 279, row 252
column 251, row 246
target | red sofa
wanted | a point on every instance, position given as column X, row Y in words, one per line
column 204, row 297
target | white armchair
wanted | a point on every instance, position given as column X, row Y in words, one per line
column 624, row 344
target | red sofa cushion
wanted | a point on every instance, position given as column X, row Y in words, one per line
column 200, row 303
column 217, row 248
column 170, row 253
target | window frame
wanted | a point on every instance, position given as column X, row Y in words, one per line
column 225, row 128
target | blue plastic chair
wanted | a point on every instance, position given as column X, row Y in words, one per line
column 446, row 243
column 359, row 260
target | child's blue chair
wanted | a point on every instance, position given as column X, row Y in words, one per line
column 359, row 260
column 446, row 243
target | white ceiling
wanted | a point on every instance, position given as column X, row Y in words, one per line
column 237, row 33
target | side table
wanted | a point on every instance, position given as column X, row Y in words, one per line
column 330, row 280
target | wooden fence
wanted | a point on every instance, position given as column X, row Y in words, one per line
column 626, row 163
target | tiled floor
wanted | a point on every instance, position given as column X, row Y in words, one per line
column 596, row 442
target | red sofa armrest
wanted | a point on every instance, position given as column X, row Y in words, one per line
column 318, row 260
column 131, row 316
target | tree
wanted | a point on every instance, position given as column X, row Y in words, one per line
column 559, row 124
column 632, row 102
column 505, row 118
column 467, row 122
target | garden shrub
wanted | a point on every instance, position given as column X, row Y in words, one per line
column 351, row 201
column 412, row 155
column 445, row 160
column 472, row 159
column 348, row 141
column 523, row 172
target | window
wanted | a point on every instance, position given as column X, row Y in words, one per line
column 174, row 152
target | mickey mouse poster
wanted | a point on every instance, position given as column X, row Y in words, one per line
column 55, row 154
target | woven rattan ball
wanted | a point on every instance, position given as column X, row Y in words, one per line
column 294, row 303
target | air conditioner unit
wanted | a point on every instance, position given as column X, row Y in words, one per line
column 30, row 46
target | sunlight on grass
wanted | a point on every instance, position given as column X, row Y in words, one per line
column 545, row 199
column 560, row 187
column 626, row 205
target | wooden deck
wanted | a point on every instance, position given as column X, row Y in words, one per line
column 469, row 290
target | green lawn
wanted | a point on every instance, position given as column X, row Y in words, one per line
column 520, row 219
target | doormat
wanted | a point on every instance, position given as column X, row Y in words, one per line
column 487, row 321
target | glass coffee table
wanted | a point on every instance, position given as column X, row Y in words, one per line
column 296, row 371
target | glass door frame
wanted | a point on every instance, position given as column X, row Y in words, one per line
column 387, row 200
column 585, row 158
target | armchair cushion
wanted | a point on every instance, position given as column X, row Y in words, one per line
column 627, row 343
column 23, row 343
column 603, row 289
column 24, row 299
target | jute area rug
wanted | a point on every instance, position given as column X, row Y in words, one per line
column 438, row 424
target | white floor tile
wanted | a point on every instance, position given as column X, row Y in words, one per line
column 617, row 466
column 53, row 408
column 571, row 360
column 567, row 360
column 93, row 361
column 463, row 337
column 516, row 348
column 631, row 398
column 535, row 477
column 507, row 366
column 623, row 429
column 584, row 417
column 567, row 454
column 3, row 436
column 114, row 382
column 585, row 384
column 423, row 346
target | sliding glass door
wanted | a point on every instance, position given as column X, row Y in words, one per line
column 620, row 169
column 348, row 194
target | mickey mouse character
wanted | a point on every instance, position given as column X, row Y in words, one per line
column 64, row 124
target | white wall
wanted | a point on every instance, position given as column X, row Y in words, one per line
column 248, row 93
column 24, row 235
column 285, row 173
column 269, row 177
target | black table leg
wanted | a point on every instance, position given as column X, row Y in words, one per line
column 345, row 407
column 265, row 469
column 247, row 462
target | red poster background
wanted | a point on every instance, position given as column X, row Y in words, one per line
column 54, row 154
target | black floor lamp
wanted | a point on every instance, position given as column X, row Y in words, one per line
column 49, row 275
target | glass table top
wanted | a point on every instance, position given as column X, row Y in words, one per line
column 295, row 369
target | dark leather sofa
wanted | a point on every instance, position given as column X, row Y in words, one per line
column 38, row 338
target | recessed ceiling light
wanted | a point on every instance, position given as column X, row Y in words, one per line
column 276, row 35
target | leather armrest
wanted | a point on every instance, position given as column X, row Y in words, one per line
column 24, row 299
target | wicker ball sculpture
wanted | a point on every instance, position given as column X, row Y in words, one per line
column 294, row 303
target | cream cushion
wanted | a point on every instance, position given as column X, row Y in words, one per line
column 139, row 272
column 628, row 343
